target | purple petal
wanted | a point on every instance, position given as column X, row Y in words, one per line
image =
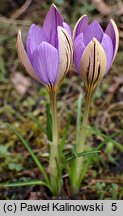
column 108, row 48
column 80, row 26
column 94, row 30
column 67, row 28
column 52, row 20
column 113, row 33
column 110, row 31
column 24, row 58
column 78, row 50
column 45, row 62
column 34, row 38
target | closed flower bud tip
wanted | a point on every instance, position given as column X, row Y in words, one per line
column 94, row 49
column 92, row 64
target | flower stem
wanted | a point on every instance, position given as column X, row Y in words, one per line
column 54, row 161
column 80, row 146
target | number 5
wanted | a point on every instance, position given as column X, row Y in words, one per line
column 114, row 206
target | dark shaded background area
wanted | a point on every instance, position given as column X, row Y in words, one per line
column 20, row 95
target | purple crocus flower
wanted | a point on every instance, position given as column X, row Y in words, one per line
column 94, row 49
column 48, row 53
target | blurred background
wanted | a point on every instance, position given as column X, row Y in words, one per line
column 21, row 96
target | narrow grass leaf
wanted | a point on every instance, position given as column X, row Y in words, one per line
column 81, row 154
column 24, row 183
column 24, row 142
column 48, row 123
column 106, row 139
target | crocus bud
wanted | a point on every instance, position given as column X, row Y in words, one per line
column 48, row 53
column 94, row 50
column 92, row 64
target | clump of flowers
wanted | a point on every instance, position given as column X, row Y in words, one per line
column 47, row 58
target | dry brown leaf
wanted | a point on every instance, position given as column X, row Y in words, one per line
column 102, row 7
column 21, row 10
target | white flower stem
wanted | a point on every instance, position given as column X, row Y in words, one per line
column 54, row 148
column 80, row 146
